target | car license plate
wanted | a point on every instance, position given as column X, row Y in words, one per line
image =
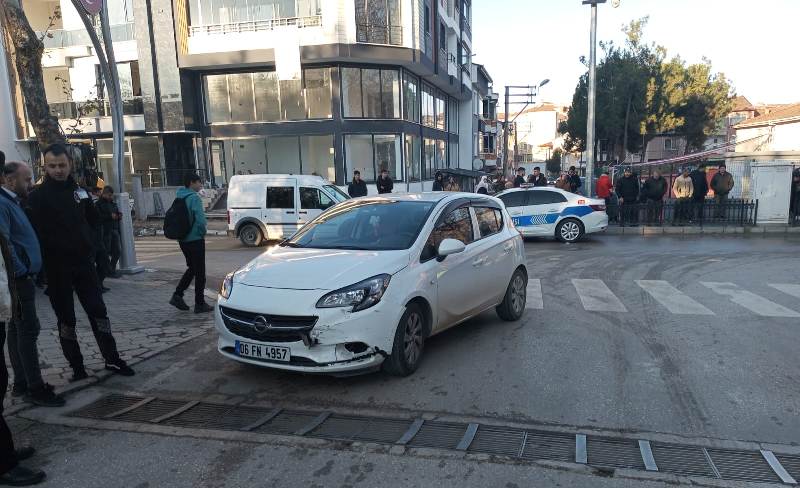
column 263, row 351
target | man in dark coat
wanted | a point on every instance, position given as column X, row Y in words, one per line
column 722, row 184
column 794, row 204
column 384, row 183
column 358, row 187
column 574, row 180
column 537, row 178
column 520, row 178
column 63, row 215
column 627, row 189
column 653, row 191
column 700, row 184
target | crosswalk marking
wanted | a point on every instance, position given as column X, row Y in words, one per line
column 597, row 297
column 789, row 289
column 534, row 298
column 673, row 299
column 750, row 301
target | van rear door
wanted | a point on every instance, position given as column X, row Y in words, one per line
column 280, row 213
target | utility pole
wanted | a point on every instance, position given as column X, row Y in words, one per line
column 592, row 91
column 526, row 97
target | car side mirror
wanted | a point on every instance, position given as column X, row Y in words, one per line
column 448, row 247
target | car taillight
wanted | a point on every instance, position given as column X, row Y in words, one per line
column 598, row 208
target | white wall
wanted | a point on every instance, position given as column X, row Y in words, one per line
column 786, row 137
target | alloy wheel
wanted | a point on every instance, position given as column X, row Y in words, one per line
column 570, row 231
column 412, row 340
column 518, row 294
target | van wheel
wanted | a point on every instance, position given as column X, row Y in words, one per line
column 569, row 230
column 250, row 235
column 409, row 342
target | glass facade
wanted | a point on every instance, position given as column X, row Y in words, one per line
column 410, row 97
column 305, row 154
column 370, row 154
column 370, row 93
column 261, row 97
column 413, row 155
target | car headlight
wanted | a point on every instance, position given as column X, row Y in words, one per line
column 360, row 296
column 227, row 286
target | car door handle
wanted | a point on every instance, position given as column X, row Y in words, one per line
column 305, row 213
column 290, row 213
column 478, row 262
column 552, row 210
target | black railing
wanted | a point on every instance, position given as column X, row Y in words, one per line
column 379, row 34
column 679, row 212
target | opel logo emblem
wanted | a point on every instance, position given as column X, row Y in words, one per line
column 261, row 325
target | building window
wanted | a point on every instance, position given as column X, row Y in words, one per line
column 261, row 97
column 378, row 22
column 453, row 163
column 428, row 106
column 667, row 144
column 452, row 116
column 211, row 12
column 441, row 154
column 371, row 93
column 410, row 97
column 316, row 156
column 283, row 155
column 413, row 154
column 370, row 154
column 441, row 111
column 428, row 158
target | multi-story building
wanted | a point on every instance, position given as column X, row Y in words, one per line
column 486, row 127
column 11, row 139
column 273, row 86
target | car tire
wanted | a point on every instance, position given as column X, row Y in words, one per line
column 409, row 343
column 251, row 235
column 569, row 230
column 513, row 305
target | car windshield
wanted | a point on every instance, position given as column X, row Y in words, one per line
column 336, row 193
column 376, row 225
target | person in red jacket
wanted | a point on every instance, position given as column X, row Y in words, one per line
column 604, row 189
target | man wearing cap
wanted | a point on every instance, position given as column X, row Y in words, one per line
column 627, row 189
column 722, row 184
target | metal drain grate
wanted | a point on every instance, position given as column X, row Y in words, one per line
column 442, row 435
column 614, row 453
column 498, row 441
column 682, row 460
column 550, row 446
column 529, row 445
column 742, row 466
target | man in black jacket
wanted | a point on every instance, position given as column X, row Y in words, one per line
column 63, row 215
column 519, row 180
column 110, row 216
column 627, row 189
column 574, row 180
column 358, row 187
column 653, row 191
column 384, row 183
column 700, row 184
column 537, row 178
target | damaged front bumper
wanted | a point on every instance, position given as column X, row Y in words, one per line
column 339, row 343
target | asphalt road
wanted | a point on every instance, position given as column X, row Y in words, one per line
column 705, row 346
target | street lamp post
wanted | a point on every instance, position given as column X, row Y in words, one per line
column 591, row 97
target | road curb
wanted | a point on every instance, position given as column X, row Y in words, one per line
column 649, row 231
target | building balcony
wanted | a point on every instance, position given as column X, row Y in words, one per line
column 379, row 33
column 255, row 25
column 60, row 38
column 465, row 27
column 447, row 63
column 94, row 108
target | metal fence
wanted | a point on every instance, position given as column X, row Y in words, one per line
column 735, row 212
column 379, row 33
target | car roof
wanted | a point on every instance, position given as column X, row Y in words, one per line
column 434, row 196
column 537, row 188
column 269, row 177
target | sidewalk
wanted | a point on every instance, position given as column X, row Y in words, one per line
column 142, row 321
column 646, row 230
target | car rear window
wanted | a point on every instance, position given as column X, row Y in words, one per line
column 490, row 220
column 515, row 199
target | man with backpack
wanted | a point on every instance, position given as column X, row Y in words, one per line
column 186, row 222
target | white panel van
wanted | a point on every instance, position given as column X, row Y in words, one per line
column 273, row 207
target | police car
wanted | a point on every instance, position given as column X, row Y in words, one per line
column 547, row 211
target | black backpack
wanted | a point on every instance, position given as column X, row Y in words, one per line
column 178, row 220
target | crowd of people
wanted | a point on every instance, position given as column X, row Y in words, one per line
column 59, row 231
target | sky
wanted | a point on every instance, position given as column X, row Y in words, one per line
column 756, row 43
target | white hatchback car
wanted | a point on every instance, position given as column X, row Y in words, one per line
column 368, row 281
column 547, row 211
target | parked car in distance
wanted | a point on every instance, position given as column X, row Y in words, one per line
column 366, row 283
column 546, row 211
column 273, row 207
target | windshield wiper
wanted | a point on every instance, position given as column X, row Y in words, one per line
column 289, row 244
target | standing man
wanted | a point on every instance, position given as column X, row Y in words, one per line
column 537, row 178
column 683, row 188
column 384, row 183
column 627, row 190
column 193, row 247
column 11, row 473
column 653, row 191
column 110, row 216
column 604, row 189
column 519, row 180
column 563, row 182
column 699, row 192
column 574, row 180
column 794, row 203
column 23, row 329
column 722, row 184
column 62, row 214
column 358, row 187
